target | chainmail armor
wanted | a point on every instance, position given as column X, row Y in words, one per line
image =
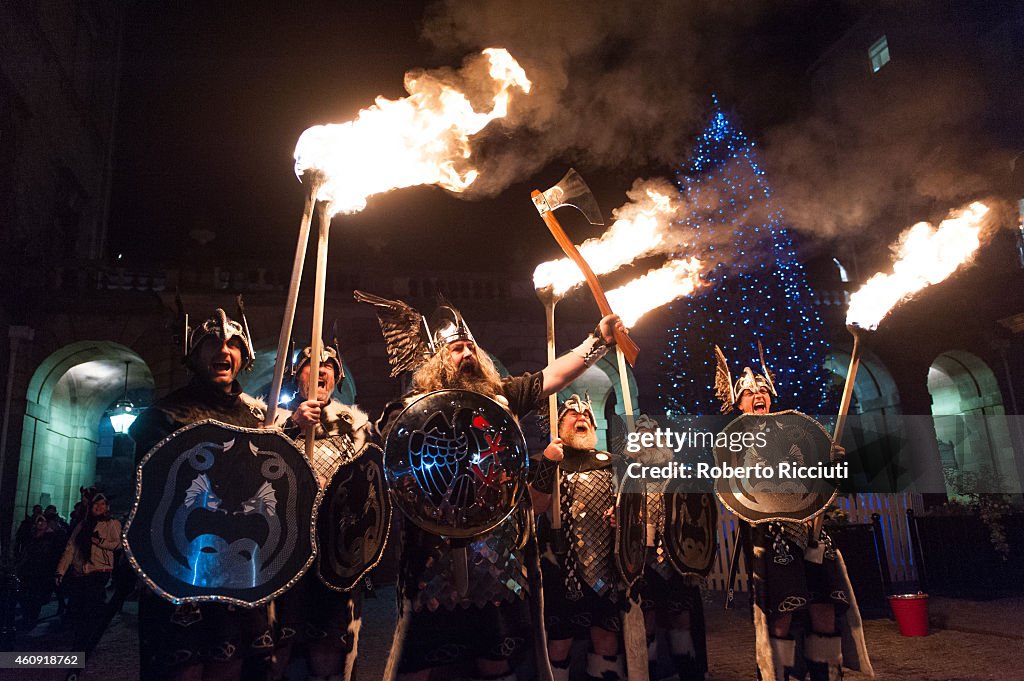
column 657, row 559
column 587, row 496
column 330, row 453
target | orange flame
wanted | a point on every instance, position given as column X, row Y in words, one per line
column 419, row 139
column 640, row 229
column 675, row 279
column 925, row 255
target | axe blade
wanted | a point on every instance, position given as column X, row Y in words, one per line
column 571, row 190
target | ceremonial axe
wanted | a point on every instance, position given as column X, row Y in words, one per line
column 571, row 190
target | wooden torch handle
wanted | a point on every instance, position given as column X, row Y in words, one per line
column 316, row 336
column 314, row 184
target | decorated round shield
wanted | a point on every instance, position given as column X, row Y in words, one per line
column 630, row 529
column 353, row 521
column 222, row 513
column 691, row 532
column 774, row 467
column 456, row 463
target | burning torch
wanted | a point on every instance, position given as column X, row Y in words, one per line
column 924, row 255
column 419, row 139
column 652, row 290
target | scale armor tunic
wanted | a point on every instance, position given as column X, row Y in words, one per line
column 582, row 588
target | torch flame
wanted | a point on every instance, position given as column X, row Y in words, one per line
column 675, row 279
column 924, row 256
column 419, row 139
column 640, row 229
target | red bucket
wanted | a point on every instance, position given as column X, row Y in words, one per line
column 911, row 611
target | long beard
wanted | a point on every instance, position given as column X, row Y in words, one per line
column 476, row 382
column 439, row 374
column 584, row 441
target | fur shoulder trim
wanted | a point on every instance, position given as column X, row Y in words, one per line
column 281, row 415
column 355, row 416
column 254, row 403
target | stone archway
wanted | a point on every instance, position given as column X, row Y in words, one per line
column 67, row 398
column 874, row 390
column 875, row 427
column 970, row 422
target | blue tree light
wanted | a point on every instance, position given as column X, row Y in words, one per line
column 757, row 288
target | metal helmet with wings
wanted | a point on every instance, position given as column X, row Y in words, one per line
column 220, row 326
column 728, row 392
column 411, row 338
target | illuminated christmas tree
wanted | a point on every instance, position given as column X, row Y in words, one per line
column 757, row 290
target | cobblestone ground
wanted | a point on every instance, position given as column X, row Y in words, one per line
column 945, row 655
column 981, row 641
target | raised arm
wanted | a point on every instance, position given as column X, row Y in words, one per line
column 571, row 365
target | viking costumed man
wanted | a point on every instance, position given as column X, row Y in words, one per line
column 325, row 620
column 202, row 640
column 486, row 620
column 682, row 538
column 800, row 585
column 583, row 592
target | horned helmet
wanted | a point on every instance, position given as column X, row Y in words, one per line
column 223, row 328
column 729, row 392
column 580, row 405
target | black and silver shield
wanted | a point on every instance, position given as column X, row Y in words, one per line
column 691, row 532
column 775, row 453
column 456, row 463
column 352, row 525
column 222, row 513
column 630, row 529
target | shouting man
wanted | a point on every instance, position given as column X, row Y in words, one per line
column 325, row 620
column 583, row 593
column 486, row 621
column 207, row 640
column 800, row 584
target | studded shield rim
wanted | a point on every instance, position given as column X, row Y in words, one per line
column 631, row 531
column 216, row 598
column 678, row 506
column 456, row 463
column 387, row 513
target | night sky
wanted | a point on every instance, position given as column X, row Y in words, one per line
column 214, row 98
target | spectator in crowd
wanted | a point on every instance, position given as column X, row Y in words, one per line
column 24, row 532
column 37, row 560
column 86, row 567
column 57, row 524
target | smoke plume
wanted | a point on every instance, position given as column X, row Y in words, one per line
column 617, row 84
column 626, row 86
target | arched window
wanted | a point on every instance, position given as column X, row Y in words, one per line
column 970, row 426
column 874, row 427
